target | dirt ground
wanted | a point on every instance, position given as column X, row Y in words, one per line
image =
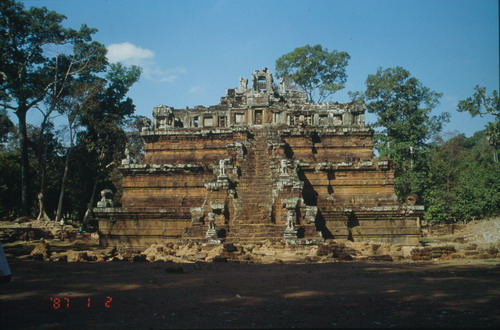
column 228, row 295
column 461, row 292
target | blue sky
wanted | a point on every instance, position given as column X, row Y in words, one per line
column 191, row 51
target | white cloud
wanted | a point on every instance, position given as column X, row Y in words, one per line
column 171, row 74
column 128, row 53
column 197, row 90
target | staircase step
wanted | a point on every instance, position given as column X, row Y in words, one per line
column 254, row 191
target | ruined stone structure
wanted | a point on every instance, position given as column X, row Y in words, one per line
column 262, row 164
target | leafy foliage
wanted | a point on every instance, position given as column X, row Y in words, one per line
column 9, row 186
column 6, row 126
column 45, row 65
column 464, row 182
column 480, row 105
column 405, row 126
column 314, row 70
column 103, row 139
column 30, row 73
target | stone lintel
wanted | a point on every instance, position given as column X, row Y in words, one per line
column 151, row 168
column 326, row 131
column 388, row 208
column 359, row 164
column 196, row 132
column 106, row 211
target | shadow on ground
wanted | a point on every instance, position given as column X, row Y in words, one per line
column 225, row 295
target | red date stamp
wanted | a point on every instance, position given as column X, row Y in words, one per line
column 67, row 303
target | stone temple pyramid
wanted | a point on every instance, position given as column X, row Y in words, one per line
column 263, row 164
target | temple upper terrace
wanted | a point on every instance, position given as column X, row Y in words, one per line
column 264, row 104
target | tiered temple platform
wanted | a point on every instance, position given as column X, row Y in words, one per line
column 263, row 164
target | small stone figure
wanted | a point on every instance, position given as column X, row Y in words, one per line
column 211, row 232
column 127, row 160
column 282, row 85
column 163, row 117
column 211, row 221
column 243, row 84
column 162, row 123
column 289, row 220
column 222, row 167
column 106, row 198
column 284, row 167
column 145, row 124
column 196, row 214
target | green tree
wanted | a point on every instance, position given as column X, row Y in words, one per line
column 464, row 182
column 9, row 173
column 481, row 105
column 30, row 72
column 10, row 195
column 76, row 105
column 404, row 124
column 314, row 70
column 103, row 139
column 6, row 126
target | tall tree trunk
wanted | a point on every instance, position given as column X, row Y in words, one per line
column 42, row 215
column 42, row 147
column 23, row 141
column 91, row 203
column 63, row 185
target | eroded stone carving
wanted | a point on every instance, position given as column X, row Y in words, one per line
column 290, row 220
column 243, row 84
column 282, row 85
column 290, row 231
column 222, row 167
column 163, row 117
column 106, row 198
column 211, row 232
column 196, row 214
column 145, row 124
column 128, row 157
column 311, row 212
column 284, row 167
column 217, row 205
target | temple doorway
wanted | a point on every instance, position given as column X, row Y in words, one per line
column 258, row 117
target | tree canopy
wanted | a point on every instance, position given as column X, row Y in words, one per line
column 100, row 107
column 6, row 125
column 463, row 182
column 405, row 125
column 38, row 58
column 313, row 69
column 479, row 104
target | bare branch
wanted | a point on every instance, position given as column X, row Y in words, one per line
column 6, row 106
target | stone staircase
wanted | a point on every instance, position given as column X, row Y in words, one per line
column 253, row 206
column 251, row 233
column 254, row 202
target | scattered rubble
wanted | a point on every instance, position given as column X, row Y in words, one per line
column 61, row 243
column 41, row 251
